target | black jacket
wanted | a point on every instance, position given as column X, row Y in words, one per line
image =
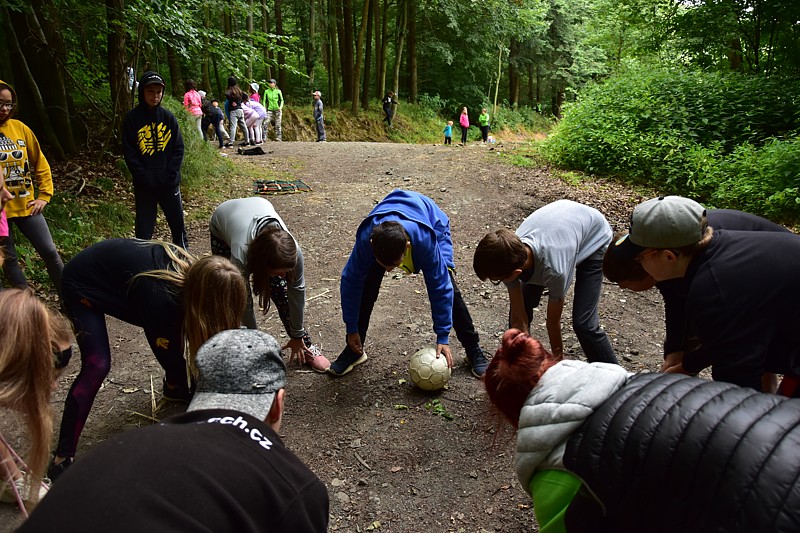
column 153, row 145
column 674, row 453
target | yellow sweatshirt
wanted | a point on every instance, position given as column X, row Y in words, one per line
column 23, row 165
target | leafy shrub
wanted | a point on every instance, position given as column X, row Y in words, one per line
column 718, row 138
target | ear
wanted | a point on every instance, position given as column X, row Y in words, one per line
column 275, row 415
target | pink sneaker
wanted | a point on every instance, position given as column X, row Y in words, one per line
column 319, row 363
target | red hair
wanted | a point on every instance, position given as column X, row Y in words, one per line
column 514, row 371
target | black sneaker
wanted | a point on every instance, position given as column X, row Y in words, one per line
column 54, row 470
column 478, row 362
column 346, row 362
column 176, row 394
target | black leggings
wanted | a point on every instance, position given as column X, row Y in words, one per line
column 464, row 134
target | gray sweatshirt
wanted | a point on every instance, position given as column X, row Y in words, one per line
column 237, row 222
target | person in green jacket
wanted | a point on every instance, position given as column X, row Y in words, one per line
column 273, row 101
column 483, row 120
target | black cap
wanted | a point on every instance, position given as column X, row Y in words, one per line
column 150, row 78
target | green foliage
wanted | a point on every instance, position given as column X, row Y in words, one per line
column 202, row 164
column 729, row 140
column 436, row 407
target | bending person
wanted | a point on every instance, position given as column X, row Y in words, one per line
column 249, row 232
column 142, row 283
column 409, row 231
column 599, row 449
column 221, row 466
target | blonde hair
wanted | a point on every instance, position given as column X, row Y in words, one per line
column 27, row 371
column 214, row 299
column 213, row 290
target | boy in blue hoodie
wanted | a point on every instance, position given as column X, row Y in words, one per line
column 153, row 146
column 409, row 231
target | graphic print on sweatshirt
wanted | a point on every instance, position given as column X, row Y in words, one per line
column 152, row 138
column 16, row 169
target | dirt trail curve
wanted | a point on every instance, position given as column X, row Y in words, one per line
column 390, row 460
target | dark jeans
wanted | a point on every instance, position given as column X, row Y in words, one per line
column 35, row 229
column 448, row 140
column 389, row 114
column 216, row 121
column 320, row 129
column 462, row 320
column 464, row 134
column 585, row 317
column 485, row 133
column 147, row 202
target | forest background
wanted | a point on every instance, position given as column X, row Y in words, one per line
column 692, row 97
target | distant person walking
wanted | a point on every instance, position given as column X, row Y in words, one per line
column 388, row 109
column 273, row 101
column 483, row 120
column 318, row 116
column 463, row 121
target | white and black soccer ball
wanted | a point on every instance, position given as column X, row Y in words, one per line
column 427, row 371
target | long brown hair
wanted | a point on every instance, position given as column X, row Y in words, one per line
column 214, row 298
column 27, row 371
column 514, row 371
column 272, row 249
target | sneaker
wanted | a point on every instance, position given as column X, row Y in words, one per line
column 9, row 495
column 228, row 144
column 478, row 362
column 346, row 362
column 55, row 470
column 244, row 143
column 317, row 361
column 177, row 393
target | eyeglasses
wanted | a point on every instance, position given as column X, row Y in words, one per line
column 7, row 105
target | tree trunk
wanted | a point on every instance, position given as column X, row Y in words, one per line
column 368, row 56
column 204, row 62
column 333, row 50
column 499, row 74
column 513, row 74
column 412, row 51
column 249, row 28
column 40, row 62
column 279, row 31
column 384, row 50
column 376, row 16
column 348, row 58
column 175, row 75
column 117, row 75
column 265, row 29
column 359, row 56
column 402, row 23
column 311, row 41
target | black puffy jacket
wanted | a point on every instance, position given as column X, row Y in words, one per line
column 678, row 454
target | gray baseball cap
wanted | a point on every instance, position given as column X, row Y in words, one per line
column 240, row 369
column 663, row 222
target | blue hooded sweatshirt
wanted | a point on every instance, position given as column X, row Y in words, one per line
column 428, row 229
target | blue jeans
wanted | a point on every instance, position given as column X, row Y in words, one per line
column 585, row 316
column 147, row 202
column 35, row 228
column 237, row 119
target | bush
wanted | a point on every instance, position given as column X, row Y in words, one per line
column 717, row 138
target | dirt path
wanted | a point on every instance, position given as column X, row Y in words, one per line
column 391, row 462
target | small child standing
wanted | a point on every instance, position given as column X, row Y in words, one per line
column 448, row 132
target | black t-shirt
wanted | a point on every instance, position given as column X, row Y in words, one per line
column 674, row 290
column 203, row 471
column 103, row 275
column 742, row 312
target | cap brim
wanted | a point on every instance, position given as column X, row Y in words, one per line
column 625, row 248
column 256, row 405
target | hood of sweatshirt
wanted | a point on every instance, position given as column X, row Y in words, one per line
column 13, row 112
column 149, row 78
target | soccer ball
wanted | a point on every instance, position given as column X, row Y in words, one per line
column 427, row 371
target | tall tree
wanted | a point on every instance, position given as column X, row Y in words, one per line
column 412, row 51
column 359, row 56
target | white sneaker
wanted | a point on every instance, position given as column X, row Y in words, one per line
column 9, row 495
